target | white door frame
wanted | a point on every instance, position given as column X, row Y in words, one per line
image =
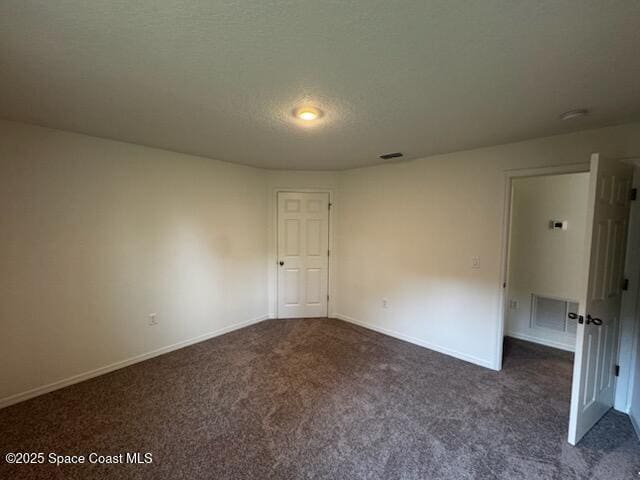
column 509, row 175
column 630, row 311
column 273, row 254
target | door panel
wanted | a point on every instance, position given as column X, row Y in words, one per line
column 291, row 286
column 617, row 257
column 315, row 205
column 303, row 243
column 314, row 288
column 600, row 246
column 593, row 387
column 291, row 205
column 592, row 347
column 292, row 238
column 315, row 240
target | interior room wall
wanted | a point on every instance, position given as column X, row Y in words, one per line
column 543, row 261
column 408, row 232
column 96, row 235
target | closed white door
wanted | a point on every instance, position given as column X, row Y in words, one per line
column 597, row 335
column 303, row 254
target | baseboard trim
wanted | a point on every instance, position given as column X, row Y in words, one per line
column 541, row 341
column 35, row 392
column 417, row 341
column 635, row 424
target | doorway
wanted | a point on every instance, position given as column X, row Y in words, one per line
column 596, row 309
column 546, row 258
column 303, row 254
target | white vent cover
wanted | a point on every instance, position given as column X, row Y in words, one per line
column 552, row 313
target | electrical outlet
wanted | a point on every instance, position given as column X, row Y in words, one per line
column 475, row 263
column 513, row 304
column 153, row 319
column 558, row 225
column 385, row 303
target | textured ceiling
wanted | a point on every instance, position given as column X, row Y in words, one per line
column 220, row 78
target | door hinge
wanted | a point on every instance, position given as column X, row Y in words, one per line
column 328, row 252
column 625, row 284
column 329, row 207
column 616, row 370
column 327, row 298
column 634, row 194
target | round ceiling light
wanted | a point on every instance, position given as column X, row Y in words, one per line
column 571, row 114
column 307, row 113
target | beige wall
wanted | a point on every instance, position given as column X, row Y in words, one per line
column 96, row 234
column 408, row 232
column 543, row 261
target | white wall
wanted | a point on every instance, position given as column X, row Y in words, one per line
column 407, row 232
column 543, row 261
column 97, row 234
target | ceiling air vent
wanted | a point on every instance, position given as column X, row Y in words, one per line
column 387, row 156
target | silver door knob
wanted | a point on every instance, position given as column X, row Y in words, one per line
column 595, row 321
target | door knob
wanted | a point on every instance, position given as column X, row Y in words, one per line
column 575, row 316
column 281, row 263
column 595, row 321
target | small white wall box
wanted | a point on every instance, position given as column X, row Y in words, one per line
column 558, row 224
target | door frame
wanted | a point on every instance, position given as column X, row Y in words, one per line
column 509, row 175
column 272, row 267
column 630, row 310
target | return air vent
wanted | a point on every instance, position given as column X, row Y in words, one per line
column 387, row 156
column 552, row 313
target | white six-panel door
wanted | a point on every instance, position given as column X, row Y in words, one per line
column 303, row 254
column 593, row 388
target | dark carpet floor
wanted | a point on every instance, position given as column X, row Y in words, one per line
column 321, row 399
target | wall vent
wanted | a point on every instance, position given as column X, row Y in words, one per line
column 552, row 314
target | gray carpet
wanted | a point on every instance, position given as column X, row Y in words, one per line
column 321, row 399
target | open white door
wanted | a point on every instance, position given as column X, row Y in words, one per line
column 303, row 254
column 593, row 387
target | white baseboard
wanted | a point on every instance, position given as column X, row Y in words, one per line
column 20, row 397
column 541, row 341
column 417, row 341
column 634, row 422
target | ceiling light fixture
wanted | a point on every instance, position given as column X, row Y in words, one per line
column 571, row 114
column 307, row 113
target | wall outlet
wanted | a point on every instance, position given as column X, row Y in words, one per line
column 475, row 263
column 153, row 319
column 385, row 303
column 558, row 225
column 513, row 304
